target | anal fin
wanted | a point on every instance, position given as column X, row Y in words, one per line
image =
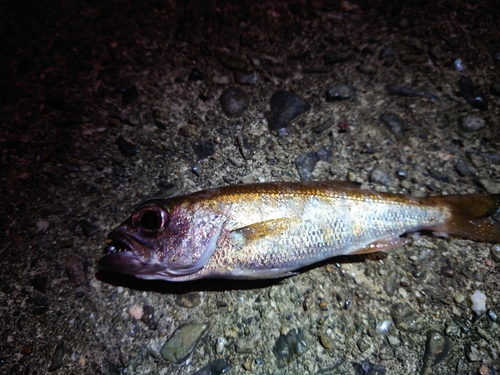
column 382, row 244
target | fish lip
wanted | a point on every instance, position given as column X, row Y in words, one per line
column 122, row 242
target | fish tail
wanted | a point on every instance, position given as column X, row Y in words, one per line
column 472, row 216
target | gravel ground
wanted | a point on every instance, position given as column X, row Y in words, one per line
column 105, row 104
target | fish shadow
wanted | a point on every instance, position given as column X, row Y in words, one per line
column 219, row 284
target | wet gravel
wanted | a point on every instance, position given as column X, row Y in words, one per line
column 106, row 104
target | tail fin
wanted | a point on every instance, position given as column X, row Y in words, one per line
column 473, row 216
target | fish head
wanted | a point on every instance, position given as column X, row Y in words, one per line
column 163, row 240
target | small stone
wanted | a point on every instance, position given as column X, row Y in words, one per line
column 246, row 77
column 478, row 300
column 196, row 75
column 248, row 364
column 459, row 298
column 126, row 147
column 88, row 229
column 231, row 62
column 130, row 95
column 363, row 344
column 66, row 243
column 471, row 123
column 379, row 176
column 326, row 341
column 472, row 95
column 473, row 353
column 217, row 367
column 366, row 367
column 292, row 345
column 148, row 317
column 447, row 271
column 395, row 123
column 220, row 344
column 188, row 300
column 367, row 69
column 285, row 107
column 495, row 253
column 341, row 91
column 305, row 164
column 39, row 282
column 393, row 340
column 76, row 268
column 247, row 345
column 335, row 57
column 188, row 131
column 183, row 341
column 57, row 357
column 436, row 349
column 464, row 169
column 234, row 101
column 492, row 315
column 492, row 187
column 405, row 318
column 495, row 88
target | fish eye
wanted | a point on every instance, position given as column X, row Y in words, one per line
column 150, row 220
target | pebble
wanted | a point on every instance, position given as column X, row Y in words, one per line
column 363, row 344
column 291, row 346
column 405, row 318
column 471, row 123
column 447, row 271
column 394, row 122
column 492, row 315
column 495, row 88
column 285, row 107
column 188, row 300
column 246, row 77
column 495, row 253
column 492, row 187
column 379, row 176
column 57, row 357
column 464, row 169
column 66, row 243
column 459, row 298
column 183, row 341
column 231, row 62
column 341, row 91
column 148, row 317
column 39, row 282
column 130, row 95
column 88, row 229
column 367, row 69
column 365, row 367
column 247, row 345
column 247, row 145
column 478, row 300
column 471, row 94
column 386, row 52
column 217, row 367
column 196, row 75
column 126, row 147
column 234, row 101
column 220, row 344
column 436, row 349
column 76, row 268
column 335, row 57
column 305, row 163
column 326, row 341
column 327, row 124
column 409, row 58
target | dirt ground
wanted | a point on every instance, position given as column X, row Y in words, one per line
column 104, row 104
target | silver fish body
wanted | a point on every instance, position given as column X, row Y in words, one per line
column 271, row 229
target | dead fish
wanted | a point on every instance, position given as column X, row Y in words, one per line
column 272, row 229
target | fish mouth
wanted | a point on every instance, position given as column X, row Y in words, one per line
column 125, row 254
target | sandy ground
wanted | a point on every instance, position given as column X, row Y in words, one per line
column 101, row 110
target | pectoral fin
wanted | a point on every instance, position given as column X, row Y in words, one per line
column 262, row 229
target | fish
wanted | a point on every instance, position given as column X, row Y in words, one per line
column 271, row 230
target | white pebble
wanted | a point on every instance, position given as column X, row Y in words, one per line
column 478, row 300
